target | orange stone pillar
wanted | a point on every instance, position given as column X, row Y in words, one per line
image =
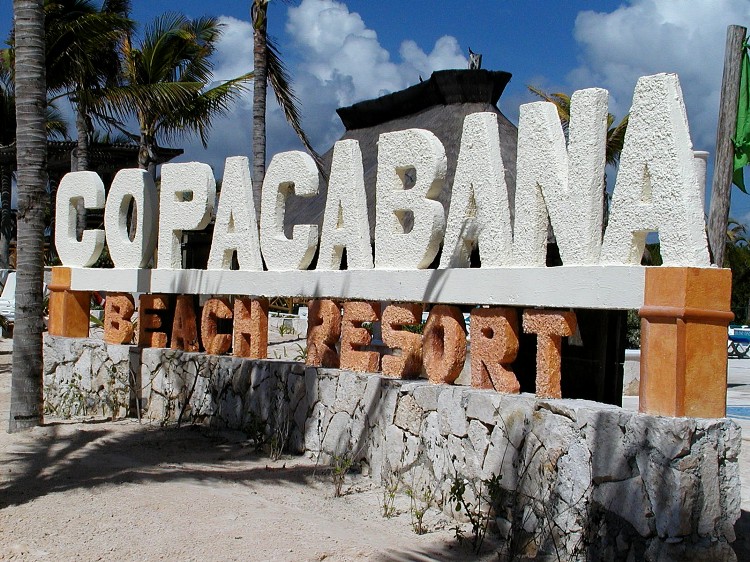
column 69, row 311
column 684, row 341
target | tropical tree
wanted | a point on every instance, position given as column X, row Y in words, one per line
column 268, row 68
column 166, row 84
column 31, row 141
column 83, row 56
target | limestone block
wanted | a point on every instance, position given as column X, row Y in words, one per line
column 370, row 397
column 354, row 337
column 401, row 154
column 184, row 327
column 135, row 186
column 426, row 396
column 289, row 172
column 75, row 188
column 483, row 406
column 444, row 344
column 479, row 211
column 451, row 412
column 323, row 333
column 479, row 438
column 327, row 386
column 573, row 484
column 153, row 320
column 214, row 342
column 346, row 223
column 408, row 363
column 549, row 326
column 349, row 392
column 657, row 188
column 408, row 414
column 337, row 434
column 188, row 192
column 561, row 182
column 501, row 458
column 235, row 228
column 118, row 310
column 494, row 346
column 250, row 331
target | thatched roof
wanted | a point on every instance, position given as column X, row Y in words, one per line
column 439, row 105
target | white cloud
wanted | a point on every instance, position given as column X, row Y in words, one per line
column 651, row 36
column 337, row 61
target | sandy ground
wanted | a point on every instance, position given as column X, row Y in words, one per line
column 102, row 490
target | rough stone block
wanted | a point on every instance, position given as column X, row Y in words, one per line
column 408, row 414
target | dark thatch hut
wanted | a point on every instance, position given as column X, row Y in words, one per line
column 439, row 105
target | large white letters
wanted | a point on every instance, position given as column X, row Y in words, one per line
column 188, row 192
column 566, row 185
column 288, row 172
column 346, row 223
column 479, row 210
column 400, row 154
column 657, row 187
column 75, row 186
column 235, row 229
column 137, row 186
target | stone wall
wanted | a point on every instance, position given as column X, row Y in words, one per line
column 578, row 479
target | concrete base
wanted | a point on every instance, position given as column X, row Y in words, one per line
column 577, row 479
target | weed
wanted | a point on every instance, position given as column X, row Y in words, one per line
column 390, row 482
column 480, row 511
column 421, row 500
column 340, row 466
column 285, row 329
column 282, row 424
column 301, row 353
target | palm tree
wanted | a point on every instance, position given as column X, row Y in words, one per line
column 31, row 141
column 83, row 56
column 268, row 68
column 166, row 84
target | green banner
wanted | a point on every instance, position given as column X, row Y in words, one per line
column 742, row 137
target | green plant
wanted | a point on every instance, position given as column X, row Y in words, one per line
column 340, row 466
column 282, row 424
column 414, row 328
column 390, row 481
column 285, row 329
column 421, row 500
column 478, row 512
column 301, row 354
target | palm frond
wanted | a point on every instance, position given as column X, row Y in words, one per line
column 278, row 78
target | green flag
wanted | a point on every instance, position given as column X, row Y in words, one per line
column 742, row 137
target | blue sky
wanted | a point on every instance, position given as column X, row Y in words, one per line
column 341, row 52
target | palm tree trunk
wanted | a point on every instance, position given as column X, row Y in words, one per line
column 6, row 226
column 146, row 154
column 26, row 401
column 82, row 164
column 260, row 83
